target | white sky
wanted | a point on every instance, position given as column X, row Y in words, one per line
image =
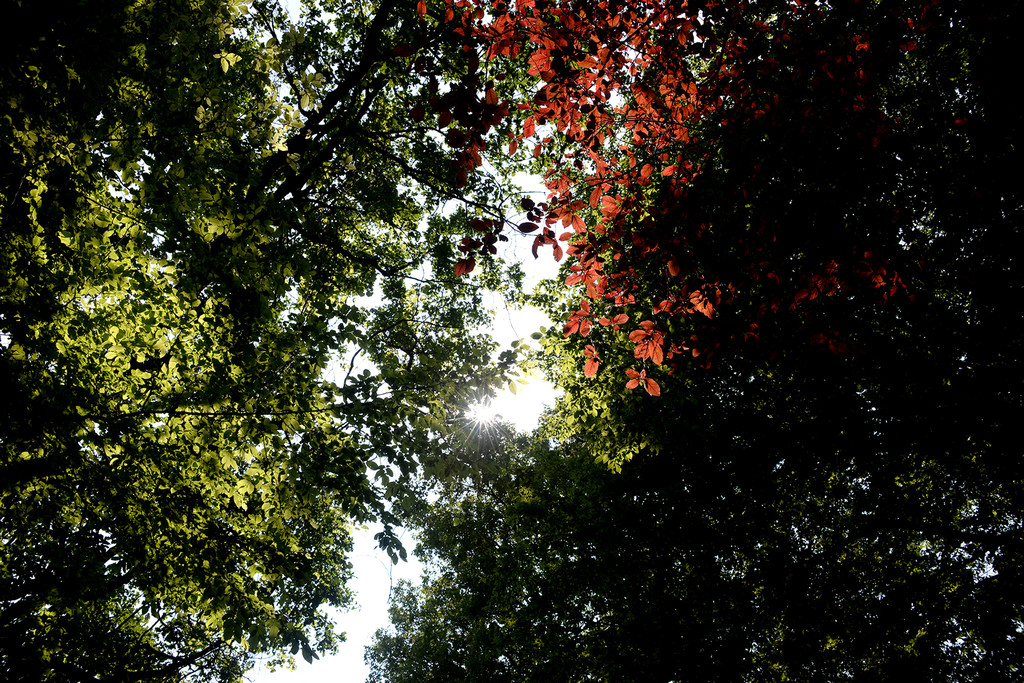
column 374, row 573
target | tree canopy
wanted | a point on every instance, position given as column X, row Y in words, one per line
column 728, row 173
column 713, row 561
column 235, row 321
column 796, row 226
column 230, row 326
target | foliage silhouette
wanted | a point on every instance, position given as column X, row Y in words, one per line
column 827, row 485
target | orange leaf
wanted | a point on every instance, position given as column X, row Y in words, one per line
column 656, row 353
column 590, row 369
column 528, row 127
column 652, row 387
column 609, row 207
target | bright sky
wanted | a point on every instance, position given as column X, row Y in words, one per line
column 374, row 573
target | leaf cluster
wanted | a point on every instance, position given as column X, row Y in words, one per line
column 838, row 495
column 228, row 325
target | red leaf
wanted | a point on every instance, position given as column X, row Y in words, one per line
column 609, row 207
column 652, row 387
column 701, row 304
column 528, row 127
column 590, row 369
column 464, row 266
column 421, row 8
column 656, row 353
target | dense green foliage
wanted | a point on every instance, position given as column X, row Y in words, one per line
column 205, row 207
column 775, row 526
column 836, row 496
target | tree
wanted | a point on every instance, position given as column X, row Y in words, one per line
column 826, row 485
column 225, row 293
column 772, row 525
column 742, row 168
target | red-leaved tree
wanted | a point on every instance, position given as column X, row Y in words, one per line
column 725, row 172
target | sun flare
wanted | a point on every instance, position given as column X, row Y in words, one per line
column 482, row 412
